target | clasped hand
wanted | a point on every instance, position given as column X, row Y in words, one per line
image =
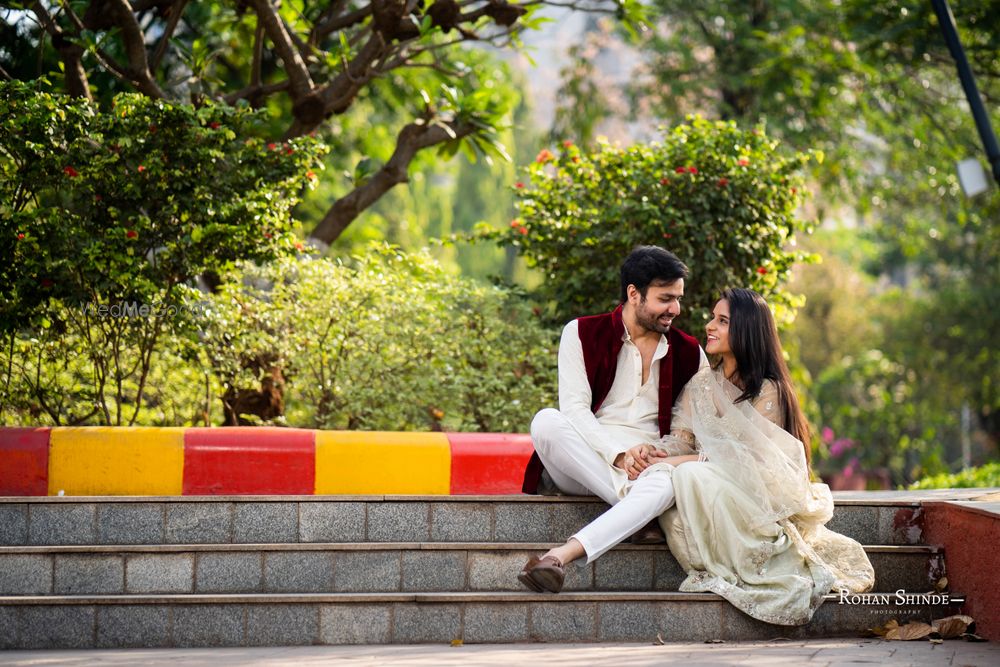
column 636, row 459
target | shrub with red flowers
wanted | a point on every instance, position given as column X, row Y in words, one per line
column 725, row 200
column 124, row 207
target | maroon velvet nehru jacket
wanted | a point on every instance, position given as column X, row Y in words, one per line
column 601, row 339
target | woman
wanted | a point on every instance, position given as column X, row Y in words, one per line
column 748, row 524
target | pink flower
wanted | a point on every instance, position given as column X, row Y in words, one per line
column 840, row 446
column 668, row 235
column 827, row 434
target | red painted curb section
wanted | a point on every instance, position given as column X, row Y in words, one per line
column 249, row 461
column 970, row 537
column 488, row 463
column 24, row 461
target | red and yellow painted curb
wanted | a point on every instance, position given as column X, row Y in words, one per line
column 147, row 461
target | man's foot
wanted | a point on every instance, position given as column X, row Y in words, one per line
column 543, row 574
column 651, row 533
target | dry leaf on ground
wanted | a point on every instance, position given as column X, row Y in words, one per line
column 909, row 632
column 952, row 626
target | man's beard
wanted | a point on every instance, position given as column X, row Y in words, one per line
column 649, row 322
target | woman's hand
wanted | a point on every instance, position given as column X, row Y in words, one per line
column 636, row 459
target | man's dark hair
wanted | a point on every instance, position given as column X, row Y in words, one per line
column 648, row 264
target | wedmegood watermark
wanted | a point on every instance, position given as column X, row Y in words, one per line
column 136, row 309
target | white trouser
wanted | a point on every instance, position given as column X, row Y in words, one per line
column 579, row 470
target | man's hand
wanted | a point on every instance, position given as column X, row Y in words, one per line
column 636, row 459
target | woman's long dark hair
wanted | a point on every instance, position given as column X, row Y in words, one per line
column 753, row 339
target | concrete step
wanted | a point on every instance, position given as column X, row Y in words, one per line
column 283, row 519
column 370, row 567
column 409, row 618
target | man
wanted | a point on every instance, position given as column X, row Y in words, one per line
column 619, row 374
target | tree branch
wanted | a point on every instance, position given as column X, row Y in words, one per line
column 176, row 10
column 135, row 48
column 71, row 54
column 412, row 138
column 298, row 73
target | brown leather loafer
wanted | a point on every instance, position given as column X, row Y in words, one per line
column 651, row 533
column 543, row 574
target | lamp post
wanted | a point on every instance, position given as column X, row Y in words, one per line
column 986, row 135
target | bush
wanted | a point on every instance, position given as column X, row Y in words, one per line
column 723, row 199
column 388, row 341
column 984, row 476
column 105, row 215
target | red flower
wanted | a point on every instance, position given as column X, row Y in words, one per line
column 680, row 170
column 267, row 235
column 519, row 185
column 272, row 146
column 544, row 155
column 20, row 236
column 71, row 172
column 664, row 180
column 794, row 190
column 214, row 125
column 311, row 175
column 567, row 144
column 289, row 150
column 668, row 235
column 141, row 169
column 743, row 162
column 516, row 222
column 692, row 170
column 131, row 234
column 152, row 129
column 98, row 197
column 46, row 282
column 723, row 182
column 761, row 270
column 523, row 230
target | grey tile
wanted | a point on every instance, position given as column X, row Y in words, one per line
column 496, row 623
column 858, row 521
column 282, row 625
column 199, row 523
column 668, row 574
column 13, row 525
column 424, row 623
column 130, row 523
column 61, row 626
column 298, row 572
column 461, row 522
column 354, row 624
column 522, row 522
column 427, row 570
column 363, row 571
column 398, row 522
column 566, row 519
column 624, row 571
column 8, row 628
column 901, row 525
column 496, row 570
column 567, row 621
column 133, row 626
column 80, row 574
column 628, row 622
column 266, row 523
column 159, row 573
column 738, row 626
column 229, row 573
column 62, row 523
column 911, row 572
column 25, row 574
column 692, row 621
column 208, row 625
column 331, row 522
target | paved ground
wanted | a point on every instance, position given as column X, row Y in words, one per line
column 812, row 653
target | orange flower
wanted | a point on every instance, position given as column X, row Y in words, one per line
column 545, row 155
column 299, row 246
column 311, row 175
column 516, row 222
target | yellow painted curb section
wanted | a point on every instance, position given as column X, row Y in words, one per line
column 374, row 462
column 116, row 461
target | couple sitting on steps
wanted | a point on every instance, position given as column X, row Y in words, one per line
column 716, row 456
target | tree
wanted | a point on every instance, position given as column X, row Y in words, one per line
column 308, row 62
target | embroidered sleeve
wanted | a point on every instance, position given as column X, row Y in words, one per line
column 768, row 404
